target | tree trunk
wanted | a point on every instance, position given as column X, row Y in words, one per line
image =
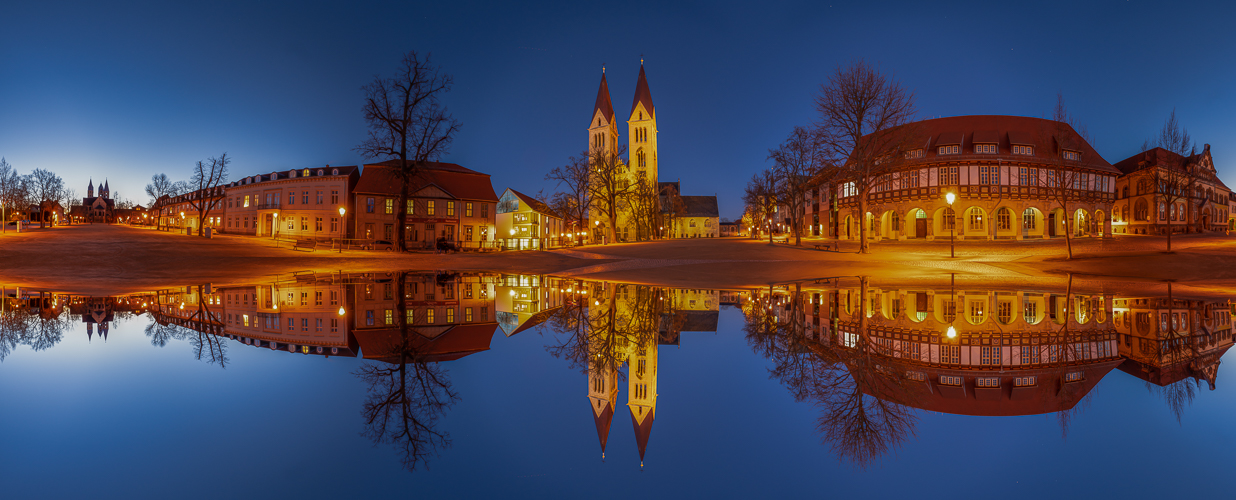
column 401, row 217
column 862, row 223
column 1068, row 234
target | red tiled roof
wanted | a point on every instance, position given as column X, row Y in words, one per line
column 603, row 420
column 455, row 343
column 642, row 94
column 603, row 104
column 1007, row 131
column 460, row 182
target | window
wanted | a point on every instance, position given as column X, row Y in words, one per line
column 1072, row 155
column 291, row 224
column 429, row 208
column 950, row 380
column 429, row 315
column 1004, row 220
column 950, row 219
column 368, row 318
column 976, row 219
column 949, row 150
column 848, row 189
column 987, row 382
column 334, row 197
column 1004, row 312
column 318, row 224
column 1028, row 176
column 990, row 355
column 985, row 148
column 467, row 314
column 916, row 376
column 334, row 224
column 947, row 176
column 950, row 354
column 291, row 197
column 369, row 205
column 989, row 175
column 468, row 209
column 1073, row 377
column 1141, row 210
column 1027, row 381
column 320, row 197
column 246, row 200
column 411, row 207
column 1023, row 150
column 390, row 316
column 467, row 233
column 450, row 209
column 912, row 154
column 390, row 206
column 450, row 315
column 304, row 198
column 304, row 223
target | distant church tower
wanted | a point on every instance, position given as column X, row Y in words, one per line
column 90, row 189
column 602, row 394
column 105, row 192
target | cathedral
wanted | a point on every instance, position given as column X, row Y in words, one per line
column 101, row 208
column 641, row 167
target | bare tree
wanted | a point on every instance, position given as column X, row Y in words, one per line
column 408, row 123
column 1175, row 180
column 1064, row 181
column 610, row 188
column 762, row 197
column 795, row 162
column 574, row 195
column 14, row 192
column 645, row 210
column 160, row 185
column 69, row 199
column 205, row 183
column 46, row 188
column 863, row 123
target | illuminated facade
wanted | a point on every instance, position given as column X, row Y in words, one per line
column 526, row 223
column 300, row 203
column 1142, row 207
column 641, row 166
column 444, row 200
column 1009, row 175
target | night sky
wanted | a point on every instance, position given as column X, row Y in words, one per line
column 126, row 91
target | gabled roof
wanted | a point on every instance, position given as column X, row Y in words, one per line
column 603, row 104
column 535, row 204
column 642, row 94
column 460, row 182
column 699, row 206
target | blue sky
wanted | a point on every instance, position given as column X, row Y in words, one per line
column 126, row 90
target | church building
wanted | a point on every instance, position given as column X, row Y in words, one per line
column 633, row 222
column 101, row 208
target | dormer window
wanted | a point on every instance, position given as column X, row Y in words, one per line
column 915, row 153
column 1072, row 155
column 320, row 172
column 306, row 174
column 985, row 148
column 334, row 171
column 949, row 150
column 1023, row 150
column 291, row 174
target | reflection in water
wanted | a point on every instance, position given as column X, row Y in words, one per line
column 866, row 355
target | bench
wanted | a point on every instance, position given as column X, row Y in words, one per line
column 824, row 246
column 306, row 245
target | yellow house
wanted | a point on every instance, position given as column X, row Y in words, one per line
column 525, row 223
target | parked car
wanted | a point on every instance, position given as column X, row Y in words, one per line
column 389, row 246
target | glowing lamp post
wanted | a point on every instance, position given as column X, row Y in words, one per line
column 951, row 333
column 952, row 241
column 341, row 225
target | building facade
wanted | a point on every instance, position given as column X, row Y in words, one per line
column 99, row 208
column 1146, row 203
column 1013, row 177
column 444, row 201
column 300, row 203
column 526, row 223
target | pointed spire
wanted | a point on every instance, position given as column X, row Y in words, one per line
column 603, row 416
column 642, row 94
column 643, row 429
column 603, row 103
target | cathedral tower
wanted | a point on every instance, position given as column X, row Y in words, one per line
column 105, row 192
column 603, row 132
column 602, row 394
column 642, row 391
column 642, row 127
column 90, row 189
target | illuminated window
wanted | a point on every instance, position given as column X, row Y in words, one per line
column 429, row 315
column 990, row 355
column 949, row 150
column 468, row 209
column 950, row 354
column 1072, row 155
column 429, row 208
column 246, row 200
column 985, row 148
column 987, row 382
column 390, row 317
column 390, row 205
column 468, row 313
column 450, row 315
column 1027, row 381
column 1023, row 150
column 450, row 208
column 947, row 176
column 950, row 380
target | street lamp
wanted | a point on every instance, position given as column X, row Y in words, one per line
column 952, row 241
column 341, row 225
column 951, row 333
